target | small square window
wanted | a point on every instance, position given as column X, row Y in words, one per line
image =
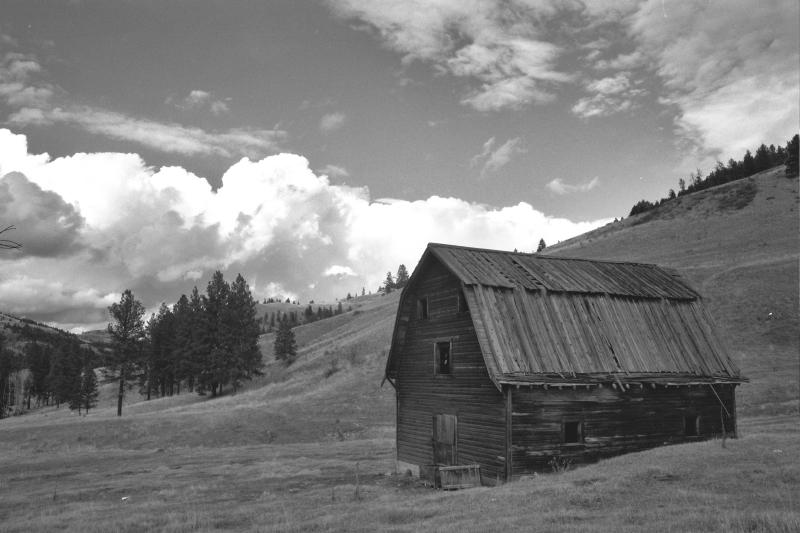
column 422, row 308
column 691, row 425
column 443, row 357
column 572, row 432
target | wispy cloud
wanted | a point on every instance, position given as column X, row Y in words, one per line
column 494, row 43
column 165, row 137
column 331, row 122
column 729, row 68
column 334, row 171
column 610, row 95
column 35, row 102
column 559, row 186
column 492, row 159
column 199, row 99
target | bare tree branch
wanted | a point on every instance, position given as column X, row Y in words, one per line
column 7, row 244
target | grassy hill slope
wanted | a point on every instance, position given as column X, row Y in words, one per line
column 310, row 447
column 739, row 245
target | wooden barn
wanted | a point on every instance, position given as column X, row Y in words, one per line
column 514, row 361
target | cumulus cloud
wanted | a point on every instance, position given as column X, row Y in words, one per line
column 331, row 122
column 492, row 159
column 497, row 44
column 285, row 228
column 559, row 186
column 47, row 224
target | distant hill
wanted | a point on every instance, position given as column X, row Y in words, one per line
column 739, row 245
column 18, row 331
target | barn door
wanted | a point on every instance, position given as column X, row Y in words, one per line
column 445, row 429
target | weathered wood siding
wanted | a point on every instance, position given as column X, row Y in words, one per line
column 467, row 392
column 613, row 422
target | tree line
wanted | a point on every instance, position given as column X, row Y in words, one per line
column 51, row 370
column 397, row 282
column 765, row 157
column 204, row 341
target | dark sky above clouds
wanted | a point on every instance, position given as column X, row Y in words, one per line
column 314, row 145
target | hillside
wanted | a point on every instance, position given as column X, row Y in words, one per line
column 738, row 244
column 311, row 446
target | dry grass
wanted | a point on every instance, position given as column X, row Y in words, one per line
column 749, row 486
column 281, row 454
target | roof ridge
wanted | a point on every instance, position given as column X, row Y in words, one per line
column 539, row 256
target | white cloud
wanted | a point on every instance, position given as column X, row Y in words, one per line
column 730, row 69
column 164, row 137
column 612, row 94
column 199, row 99
column 495, row 43
column 559, row 186
column 339, row 271
column 38, row 103
column 491, row 160
column 331, row 122
column 334, row 171
column 158, row 231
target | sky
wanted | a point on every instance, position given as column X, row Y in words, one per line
column 312, row 146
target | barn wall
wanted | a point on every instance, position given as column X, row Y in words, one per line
column 467, row 393
column 613, row 422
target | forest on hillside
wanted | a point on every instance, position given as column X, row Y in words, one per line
column 765, row 157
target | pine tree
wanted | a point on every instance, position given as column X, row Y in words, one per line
column 541, row 246
column 402, row 277
column 388, row 284
column 285, row 347
column 126, row 332
column 89, row 392
column 246, row 354
column 792, row 157
column 219, row 358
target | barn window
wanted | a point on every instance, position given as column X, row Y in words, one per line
column 442, row 357
column 422, row 308
column 571, row 432
column 691, row 425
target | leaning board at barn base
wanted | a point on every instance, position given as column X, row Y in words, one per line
column 515, row 362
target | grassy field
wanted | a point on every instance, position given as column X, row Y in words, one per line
column 311, row 447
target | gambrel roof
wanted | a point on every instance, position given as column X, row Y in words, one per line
column 544, row 319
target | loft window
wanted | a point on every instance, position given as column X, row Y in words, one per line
column 422, row 308
column 691, row 425
column 442, row 357
column 571, row 432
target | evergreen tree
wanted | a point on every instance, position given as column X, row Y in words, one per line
column 89, row 392
column 246, row 354
column 37, row 359
column 748, row 165
column 792, row 157
column 127, row 331
column 183, row 338
column 219, row 362
column 542, row 246
column 388, row 284
column 402, row 277
column 285, row 347
column 761, row 160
